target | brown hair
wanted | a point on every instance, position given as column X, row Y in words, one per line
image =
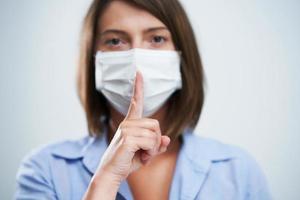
column 185, row 105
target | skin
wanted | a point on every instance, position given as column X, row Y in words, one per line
column 138, row 151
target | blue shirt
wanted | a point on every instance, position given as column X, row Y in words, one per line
column 206, row 169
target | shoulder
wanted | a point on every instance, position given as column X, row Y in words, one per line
column 64, row 148
column 41, row 157
column 228, row 160
column 199, row 147
column 213, row 149
column 34, row 176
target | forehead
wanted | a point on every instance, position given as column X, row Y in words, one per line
column 122, row 15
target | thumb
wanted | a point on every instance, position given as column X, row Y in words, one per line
column 135, row 110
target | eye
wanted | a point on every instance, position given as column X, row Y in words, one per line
column 158, row 39
column 113, row 42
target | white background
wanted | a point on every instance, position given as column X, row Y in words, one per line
column 250, row 51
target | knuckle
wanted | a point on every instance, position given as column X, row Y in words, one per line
column 124, row 133
column 129, row 145
column 154, row 136
column 133, row 101
column 149, row 134
column 122, row 125
column 126, row 141
column 146, row 132
column 153, row 145
column 156, row 122
column 156, row 125
column 153, row 142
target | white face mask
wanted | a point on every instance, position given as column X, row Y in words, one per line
column 116, row 70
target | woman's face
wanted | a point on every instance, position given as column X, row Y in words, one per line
column 123, row 26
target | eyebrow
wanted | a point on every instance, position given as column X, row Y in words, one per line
column 121, row 32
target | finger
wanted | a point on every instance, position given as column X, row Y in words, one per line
column 136, row 143
column 135, row 110
column 144, row 133
column 165, row 141
column 145, row 157
column 147, row 123
column 139, row 132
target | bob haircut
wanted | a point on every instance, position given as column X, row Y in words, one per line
column 184, row 106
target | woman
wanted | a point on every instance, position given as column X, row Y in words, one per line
column 140, row 81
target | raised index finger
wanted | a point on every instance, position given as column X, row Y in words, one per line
column 135, row 110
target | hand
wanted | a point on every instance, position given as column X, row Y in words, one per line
column 136, row 141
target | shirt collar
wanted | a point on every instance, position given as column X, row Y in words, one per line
column 90, row 150
column 197, row 149
column 194, row 160
column 94, row 152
